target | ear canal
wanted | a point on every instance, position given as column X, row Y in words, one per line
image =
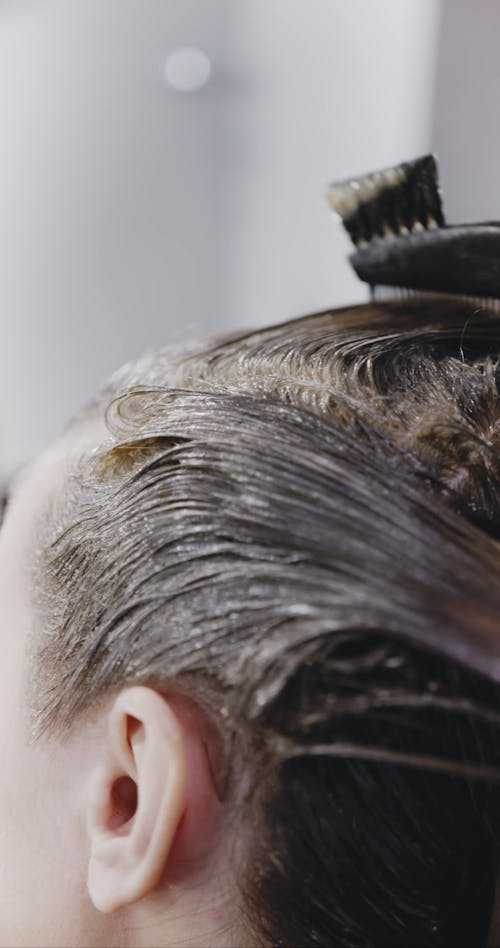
column 124, row 802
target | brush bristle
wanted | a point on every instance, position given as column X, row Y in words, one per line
column 399, row 294
column 389, row 203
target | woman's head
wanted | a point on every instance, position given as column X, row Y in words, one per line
column 263, row 645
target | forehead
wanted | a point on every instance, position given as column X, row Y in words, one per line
column 45, row 474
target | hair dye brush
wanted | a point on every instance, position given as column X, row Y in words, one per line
column 395, row 220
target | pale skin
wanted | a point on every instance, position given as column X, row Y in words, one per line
column 115, row 837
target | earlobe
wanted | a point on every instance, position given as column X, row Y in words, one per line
column 137, row 799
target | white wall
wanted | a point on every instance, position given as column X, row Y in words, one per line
column 132, row 215
column 466, row 125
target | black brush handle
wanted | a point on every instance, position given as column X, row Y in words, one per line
column 464, row 259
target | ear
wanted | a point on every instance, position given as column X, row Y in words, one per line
column 138, row 798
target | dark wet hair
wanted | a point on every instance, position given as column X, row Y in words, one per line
column 298, row 527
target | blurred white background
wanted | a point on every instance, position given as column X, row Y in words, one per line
column 133, row 214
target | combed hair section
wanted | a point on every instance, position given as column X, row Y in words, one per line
column 298, row 527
